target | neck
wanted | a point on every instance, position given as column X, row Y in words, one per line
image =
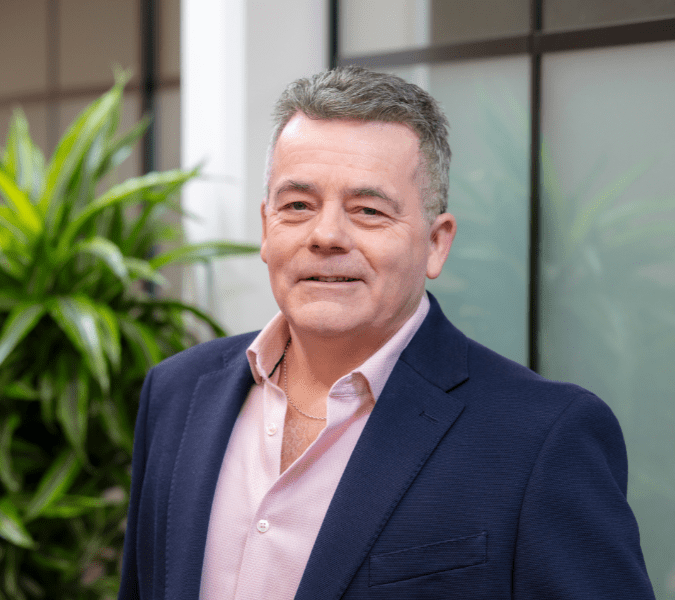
column 320, row 362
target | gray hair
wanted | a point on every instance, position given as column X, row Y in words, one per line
column 356, row 93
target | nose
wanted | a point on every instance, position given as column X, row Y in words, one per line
column 330, row 232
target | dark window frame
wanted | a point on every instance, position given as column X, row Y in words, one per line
column 148, row 85
column 535, row 43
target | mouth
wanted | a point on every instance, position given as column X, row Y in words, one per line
column 331, row 279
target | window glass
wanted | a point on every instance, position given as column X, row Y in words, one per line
column 23, row 47
column 484, row 286
column 608, row 261
column 565, row 14
column 169, row 38
column 94, row 37
column 379, row 26
column 458, row 20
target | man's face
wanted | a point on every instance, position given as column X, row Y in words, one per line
column 344, row 235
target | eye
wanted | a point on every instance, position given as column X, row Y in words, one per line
column 370, row 211
column 297, row 205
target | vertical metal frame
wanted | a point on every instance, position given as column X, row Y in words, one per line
column 149, row 81
column 535, row 186
column 333, row 33
column 53, row 73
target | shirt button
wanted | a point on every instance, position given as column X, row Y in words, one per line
column 271, row 429
column 263, row 526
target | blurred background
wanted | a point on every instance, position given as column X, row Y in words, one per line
column 562, row 181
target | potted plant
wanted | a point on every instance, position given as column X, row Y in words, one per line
column 78, row 331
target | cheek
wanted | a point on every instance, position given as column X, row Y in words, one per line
column 400, row 269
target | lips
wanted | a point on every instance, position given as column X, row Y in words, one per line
column 323, row 279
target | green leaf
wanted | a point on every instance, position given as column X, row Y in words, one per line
column 54, row 484
column 19, row 390
column 72, row 411
column 181, row 306
column 107, row 251
column 11, row 526
column 47, row 389
column 7, row 476
column 78, row 317
column 53, row 562
column 32, row 587
column 12, row 268
column 73, row 147
column 120, row 150
column 123, row 193
column 20, row 203
column 204, row 251
column 109, row 331
column 19, row 323
column 11, row 579
column 74, row 506
column 9, row 300
column 23, row 158
column 141, row 269
column 116, row 424
column 17, row 234
column 142, row 340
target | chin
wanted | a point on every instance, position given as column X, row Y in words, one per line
column 326, row 319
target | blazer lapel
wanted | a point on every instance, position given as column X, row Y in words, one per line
column 410, row 418
column 215, row 404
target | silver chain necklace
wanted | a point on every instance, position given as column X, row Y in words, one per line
column 288, row 396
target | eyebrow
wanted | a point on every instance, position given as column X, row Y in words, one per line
column 294, row 186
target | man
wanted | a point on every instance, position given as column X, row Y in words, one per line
column 360, row 446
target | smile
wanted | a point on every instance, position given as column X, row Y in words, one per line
column 331, row 279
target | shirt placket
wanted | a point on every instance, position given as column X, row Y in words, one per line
column 269, row 531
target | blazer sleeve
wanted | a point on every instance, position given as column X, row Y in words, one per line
column 129, row 587
column 577, row 536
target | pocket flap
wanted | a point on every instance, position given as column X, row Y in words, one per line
column 425, row 560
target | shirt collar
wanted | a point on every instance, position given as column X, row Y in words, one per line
column 264, row 354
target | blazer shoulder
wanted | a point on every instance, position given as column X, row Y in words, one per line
column 493, row 369
column 180, row 372
column 207, row 356
column 526, row 400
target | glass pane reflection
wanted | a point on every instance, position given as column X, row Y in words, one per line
column 379, row 26
column 483, row 288
column 608, row 252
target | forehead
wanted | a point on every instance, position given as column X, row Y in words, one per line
column 301, row 128
column 349, row 148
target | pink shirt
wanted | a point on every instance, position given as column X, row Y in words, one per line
column 263, row 525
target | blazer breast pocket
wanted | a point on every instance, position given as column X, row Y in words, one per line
column 409, row 563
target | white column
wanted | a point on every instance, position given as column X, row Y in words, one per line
column 236, row 57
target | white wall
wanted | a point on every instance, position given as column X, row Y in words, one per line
column 237, row 57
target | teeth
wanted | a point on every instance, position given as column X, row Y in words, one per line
column 331, row 279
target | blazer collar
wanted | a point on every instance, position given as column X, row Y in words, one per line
column 438, row 351
column 214, row 407
column 411, row 417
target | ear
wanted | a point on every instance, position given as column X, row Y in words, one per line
column 441, row 235
column 263, row 241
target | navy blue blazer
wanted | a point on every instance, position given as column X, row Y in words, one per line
column 474, row 478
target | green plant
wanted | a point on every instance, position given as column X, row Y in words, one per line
column 78, row 331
